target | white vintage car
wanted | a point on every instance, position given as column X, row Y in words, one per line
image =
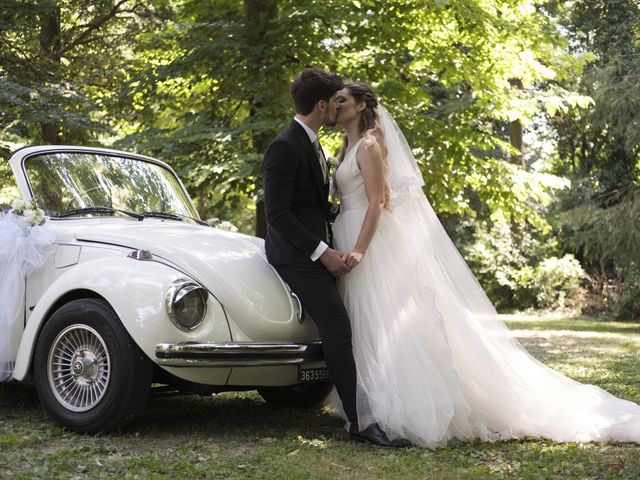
column 139, row 295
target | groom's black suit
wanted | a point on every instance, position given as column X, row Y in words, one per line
column 297, row 209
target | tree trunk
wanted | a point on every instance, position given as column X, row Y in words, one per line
column 514, row 130
column 515, row 137
column 50, row 48
column 257, row 14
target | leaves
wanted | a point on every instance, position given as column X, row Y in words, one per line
column 204, row 86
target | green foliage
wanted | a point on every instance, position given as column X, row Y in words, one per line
column 625, row 301
column 498, row 257
column 60, row 62
column 603, row 141
column 8, row 194
column 556, row 282
column 604, row 231
column 210, row 91
column 447, row 74
column 6, row 176
column 208, row 99
column 599, row 149
column 203, row 85
column 517, row 269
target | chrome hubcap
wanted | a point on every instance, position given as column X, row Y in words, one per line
column 79, row 368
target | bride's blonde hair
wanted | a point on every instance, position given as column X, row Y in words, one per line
column 369, row 127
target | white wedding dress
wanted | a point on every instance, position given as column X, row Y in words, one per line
column 434, row 361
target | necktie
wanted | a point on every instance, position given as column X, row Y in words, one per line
column 322, row 159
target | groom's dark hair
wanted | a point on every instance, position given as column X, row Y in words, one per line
column 313, row 85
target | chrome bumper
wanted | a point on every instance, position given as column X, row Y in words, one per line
column 237, row 354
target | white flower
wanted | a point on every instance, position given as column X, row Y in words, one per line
column 29, row 215
column 40, row 218
column 18, row 205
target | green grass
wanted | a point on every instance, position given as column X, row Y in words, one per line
column 240, row 436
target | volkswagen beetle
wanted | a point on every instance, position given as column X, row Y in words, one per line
column 139, row 295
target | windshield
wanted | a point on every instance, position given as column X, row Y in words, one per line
column 67, row 181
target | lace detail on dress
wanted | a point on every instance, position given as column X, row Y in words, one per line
column 403, row 188
column 430, row 296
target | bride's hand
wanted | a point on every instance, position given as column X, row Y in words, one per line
column 352, row 259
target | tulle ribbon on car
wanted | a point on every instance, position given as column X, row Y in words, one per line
column 23, row 249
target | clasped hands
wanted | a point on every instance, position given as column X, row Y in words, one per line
column 339, row 263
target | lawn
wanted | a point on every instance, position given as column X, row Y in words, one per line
column 240, row 436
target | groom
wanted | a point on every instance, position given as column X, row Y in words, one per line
column 296, row 191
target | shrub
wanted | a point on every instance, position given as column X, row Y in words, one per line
column 603, row 230
column 517, row 269
column 556, row 282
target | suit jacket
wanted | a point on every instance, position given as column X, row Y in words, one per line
column 295, row 198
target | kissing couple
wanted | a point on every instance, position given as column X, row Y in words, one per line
column 415, row 348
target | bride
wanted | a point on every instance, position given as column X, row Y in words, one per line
column 434, row 361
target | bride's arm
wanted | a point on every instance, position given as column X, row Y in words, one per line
column 371, row 165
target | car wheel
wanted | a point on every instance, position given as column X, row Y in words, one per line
column 89, row 374
column 303, row 395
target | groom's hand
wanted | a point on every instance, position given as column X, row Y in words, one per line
column 332, row 261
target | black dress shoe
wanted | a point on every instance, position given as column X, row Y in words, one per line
column 374, row 434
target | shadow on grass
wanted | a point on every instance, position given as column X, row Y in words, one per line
column 17, row 399
column 228, row 416
column 234, row 415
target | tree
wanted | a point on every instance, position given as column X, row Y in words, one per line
column 599, row 150
column 454, row 74
column 60, row 61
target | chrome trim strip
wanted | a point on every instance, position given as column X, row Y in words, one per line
column 236, row 354
column 142, row 255
column 300, row 312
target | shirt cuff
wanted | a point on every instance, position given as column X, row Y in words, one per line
column 319, row 251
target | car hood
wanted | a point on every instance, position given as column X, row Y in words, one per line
column 232, row 266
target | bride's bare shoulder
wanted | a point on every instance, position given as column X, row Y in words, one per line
column 369, row 141
column 369, row 152
column 370, row 147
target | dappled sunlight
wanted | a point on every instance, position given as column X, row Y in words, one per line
column 590, row 347
column 603, row 356
column 557, row 322
column 312, row 442
column 578, row 335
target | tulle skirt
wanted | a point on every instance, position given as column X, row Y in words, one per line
column 434, row 361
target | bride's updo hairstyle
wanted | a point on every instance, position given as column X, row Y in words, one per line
column 369, row 126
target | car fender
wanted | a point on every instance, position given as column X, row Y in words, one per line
column 142, row 310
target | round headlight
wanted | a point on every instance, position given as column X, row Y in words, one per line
column 186, row 304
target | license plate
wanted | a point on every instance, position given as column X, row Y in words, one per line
column 307, row 375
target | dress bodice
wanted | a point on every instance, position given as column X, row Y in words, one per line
column 350, row 183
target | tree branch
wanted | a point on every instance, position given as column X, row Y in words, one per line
column 92, row 26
